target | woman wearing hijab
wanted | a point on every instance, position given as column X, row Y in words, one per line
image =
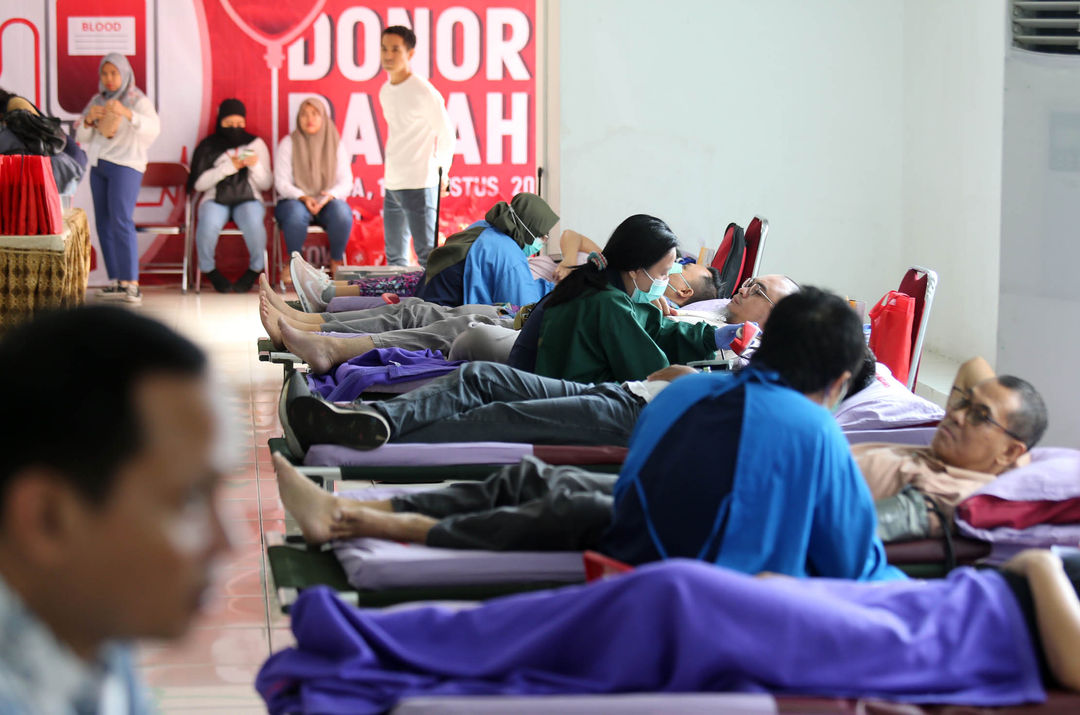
column 488, row 262
column 313, row 177
column 117, row 127
column 231, row 168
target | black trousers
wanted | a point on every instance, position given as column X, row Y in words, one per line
column 530, row 506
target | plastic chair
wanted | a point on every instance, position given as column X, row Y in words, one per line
column 921, row 284
column 229, row 229
column 169, row 176
column 754, row 236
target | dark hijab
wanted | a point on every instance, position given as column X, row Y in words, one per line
column 223, row 139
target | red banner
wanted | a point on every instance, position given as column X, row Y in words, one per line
column 481, row 58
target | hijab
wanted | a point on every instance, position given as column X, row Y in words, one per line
column 127, row 93
column 223, row 139
column 314, row 156
column 525, row 218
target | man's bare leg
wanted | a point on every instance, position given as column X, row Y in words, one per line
column 971, row 373
column 266, row 292
column 322, row 353
column 323, row 517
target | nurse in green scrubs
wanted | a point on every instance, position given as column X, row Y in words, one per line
column 599, row 324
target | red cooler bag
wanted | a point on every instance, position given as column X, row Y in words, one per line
column 891, row 323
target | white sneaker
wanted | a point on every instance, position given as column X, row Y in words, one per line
column 110, row 292
column 309, row 283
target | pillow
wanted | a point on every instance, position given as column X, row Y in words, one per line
column 886, row 403
column 708, row 306
column 1037, row 504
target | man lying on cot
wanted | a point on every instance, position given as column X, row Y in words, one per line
column 109, row 515
column 976, row 638
column 776, row 488
column 485, row 401
column 991, row 422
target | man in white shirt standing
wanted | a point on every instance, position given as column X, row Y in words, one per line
column 420, row 140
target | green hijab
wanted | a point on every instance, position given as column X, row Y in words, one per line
column 525, row 218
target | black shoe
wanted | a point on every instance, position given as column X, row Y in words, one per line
column 313, row 420
column 221, row 283
column 295, row 387
column 243, row 283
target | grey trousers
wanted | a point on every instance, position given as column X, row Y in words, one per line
column 439, row 335
column 490, row 402
column 410, row 313
column 492, row 343
column 531, row 506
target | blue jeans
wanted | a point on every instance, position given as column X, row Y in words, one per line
column 415, row 207
column 485, row 401
column 248, row 217
column 335, row 217
column 115, row 189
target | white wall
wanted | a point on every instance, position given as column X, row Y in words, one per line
column 954, row 68
column 1039, row 310
column 704, row 112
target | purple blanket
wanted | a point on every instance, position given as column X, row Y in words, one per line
column 677, row 626
column 381, row 366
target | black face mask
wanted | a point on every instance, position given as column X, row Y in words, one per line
column 233, row 135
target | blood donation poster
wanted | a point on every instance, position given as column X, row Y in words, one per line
column 188, row 55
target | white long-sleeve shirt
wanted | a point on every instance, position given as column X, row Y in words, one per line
column 132, row 139
column 259, row 176
column 420, row 137
column 286, row 186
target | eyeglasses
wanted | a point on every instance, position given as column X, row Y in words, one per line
column 977, row 413
column 753, row 286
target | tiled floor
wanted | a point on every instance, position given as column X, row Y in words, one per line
column 213, row 669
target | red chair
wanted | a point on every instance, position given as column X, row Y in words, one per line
column 754, row 236
column 171, row 177
column 921, row 284
column 278, row 248
column 230, row 229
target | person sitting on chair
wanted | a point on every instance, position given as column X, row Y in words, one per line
column 313, row 177
column 231, row 168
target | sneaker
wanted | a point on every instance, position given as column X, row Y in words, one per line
column 243, row 283
column 132, row 294
column 309, row 283
column 110, row 292
column 316, row 421
column 221, row 283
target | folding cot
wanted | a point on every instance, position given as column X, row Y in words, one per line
column 701, row 704
column 411, row 463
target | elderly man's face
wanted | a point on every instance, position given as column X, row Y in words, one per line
column 966, row 439
column 755, row 299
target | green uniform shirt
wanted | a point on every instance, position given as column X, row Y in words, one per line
column 606, row 337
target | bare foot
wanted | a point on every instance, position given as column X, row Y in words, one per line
column 322, row 352
column 270, row 319
column 266, row 291
column 359, row 520
column 315, row 510
column 316, row 350
column 323, row 517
